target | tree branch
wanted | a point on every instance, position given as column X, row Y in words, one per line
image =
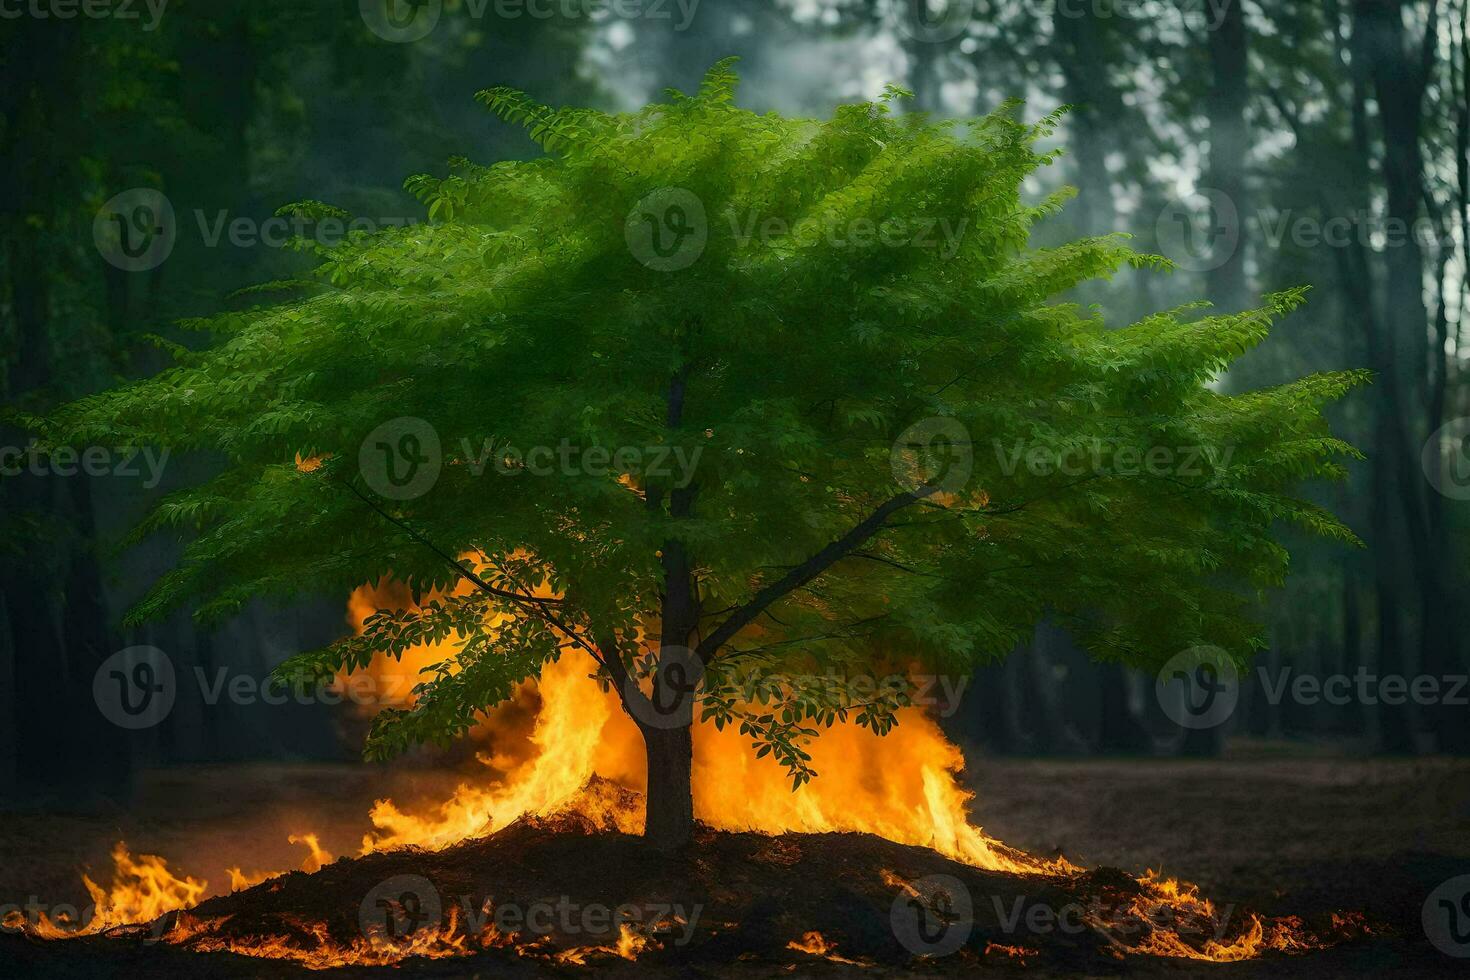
column 466, row 573
column 808, row 570
column 535, row 605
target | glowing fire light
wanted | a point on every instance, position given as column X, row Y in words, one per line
column 554, row 737
column 815, row 944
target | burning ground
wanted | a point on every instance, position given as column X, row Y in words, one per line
column 820, row 904
column 738, row 904
column 865, row 870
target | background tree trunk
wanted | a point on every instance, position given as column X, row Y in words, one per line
column 1229, row 288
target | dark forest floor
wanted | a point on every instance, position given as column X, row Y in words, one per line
column 1282, row 834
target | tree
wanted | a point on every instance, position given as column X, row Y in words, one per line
column 890, row 446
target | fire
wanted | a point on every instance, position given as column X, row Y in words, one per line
column 1018, row 953
column 438, row 943
column 580, row 731
column 143, row 888
column 316, row 859
column 446, row 941
column 815, row 944
column 545, row 745
column 630, row 944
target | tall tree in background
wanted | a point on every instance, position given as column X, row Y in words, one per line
column 220, row 108
column 1229, row 97
column 1398, row 72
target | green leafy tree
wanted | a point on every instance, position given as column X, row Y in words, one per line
column 718, row 398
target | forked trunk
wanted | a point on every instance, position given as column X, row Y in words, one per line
column 670, row 813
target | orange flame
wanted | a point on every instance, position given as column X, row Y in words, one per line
column 815, row 944
column 553, row 737
column 143, row 888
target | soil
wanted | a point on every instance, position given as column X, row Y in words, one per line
column 1283, row 836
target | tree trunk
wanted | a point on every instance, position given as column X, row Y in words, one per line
column 1397, row 74
column 1229, row 141
column 669, row 817
column 670, row 812
column 1081, row 57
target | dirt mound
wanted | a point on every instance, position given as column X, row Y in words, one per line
column 571, row 892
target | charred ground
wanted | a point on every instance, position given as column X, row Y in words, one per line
column 757, row 895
